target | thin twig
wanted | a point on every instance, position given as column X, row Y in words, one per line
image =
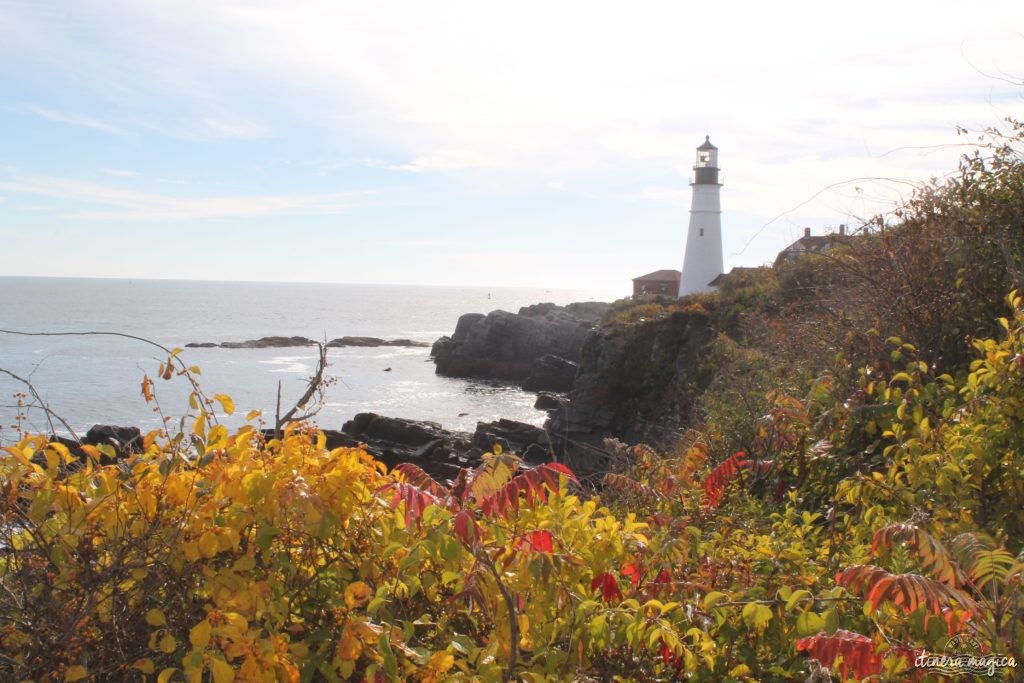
column 42, row 404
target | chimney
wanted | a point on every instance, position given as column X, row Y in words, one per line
column 807, row 232
column 842, row 229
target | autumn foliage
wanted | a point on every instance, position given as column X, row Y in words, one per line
column 839, row 525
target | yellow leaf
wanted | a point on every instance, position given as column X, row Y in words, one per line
column 146, row 665
column 199, row 427
column 218, row 438
column 441, row 661
column 199, row 636
column 357, row 594
column 253, row 414
column 208, row 544
column 155, row 617
column 740, row 670
column 349, row 647
column 237, row 622
column 166, row 674
column 76, row 673
column 191, row 550
column 226, row 402
column 168, row 644
column 92, row 452
column 244, row 563
column 222, row 671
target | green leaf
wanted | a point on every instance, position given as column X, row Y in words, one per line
column 713, row 598
column 796, row 597
column 756, row 615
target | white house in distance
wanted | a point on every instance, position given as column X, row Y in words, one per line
column 703, row 261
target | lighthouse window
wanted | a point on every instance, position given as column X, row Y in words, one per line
column 702, row 232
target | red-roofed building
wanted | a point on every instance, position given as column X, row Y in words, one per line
column 658, row 283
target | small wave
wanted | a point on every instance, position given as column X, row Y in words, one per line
column 290, row 364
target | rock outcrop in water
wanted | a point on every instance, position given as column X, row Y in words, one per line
column 261, row 343
column 287, row 342
column 372, row 342
column 538, row 347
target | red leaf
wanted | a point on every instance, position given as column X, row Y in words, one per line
column 857, row 652
column 465, row 527
column 609, row 587
column 416, row 500
column 415, row 475
column 531, row 484
column 719, row 478
column 909, row 591
column 633, row 572
column 536, row 541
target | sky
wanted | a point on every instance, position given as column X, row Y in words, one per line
column 471, row 143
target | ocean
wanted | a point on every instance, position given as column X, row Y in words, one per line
column 97, row 379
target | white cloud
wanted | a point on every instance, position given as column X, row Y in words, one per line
column 459, row 85
column 241, row 129
column 442, row 160
column 127, row 205
column 73, row 119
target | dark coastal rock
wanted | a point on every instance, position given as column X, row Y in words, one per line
column 548, row 400
column 439, row 452
column 286, row 342
column 526, row 440
column 504, row 346
column 372, row 342
column 269, row 343
column 551, row 373
column 635, row 383
column 442, row 347
column 124, row 440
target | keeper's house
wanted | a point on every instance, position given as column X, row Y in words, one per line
column 658, row 283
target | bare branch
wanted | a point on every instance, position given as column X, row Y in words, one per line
column 50, row 415
column 314, row 388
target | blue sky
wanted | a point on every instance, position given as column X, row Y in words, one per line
column 521, row 144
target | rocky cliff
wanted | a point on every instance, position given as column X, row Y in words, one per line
column 635, row 382
column 538, row 347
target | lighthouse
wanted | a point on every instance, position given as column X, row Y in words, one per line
column 702, row 262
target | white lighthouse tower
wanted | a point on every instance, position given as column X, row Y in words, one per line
column 703, row 260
